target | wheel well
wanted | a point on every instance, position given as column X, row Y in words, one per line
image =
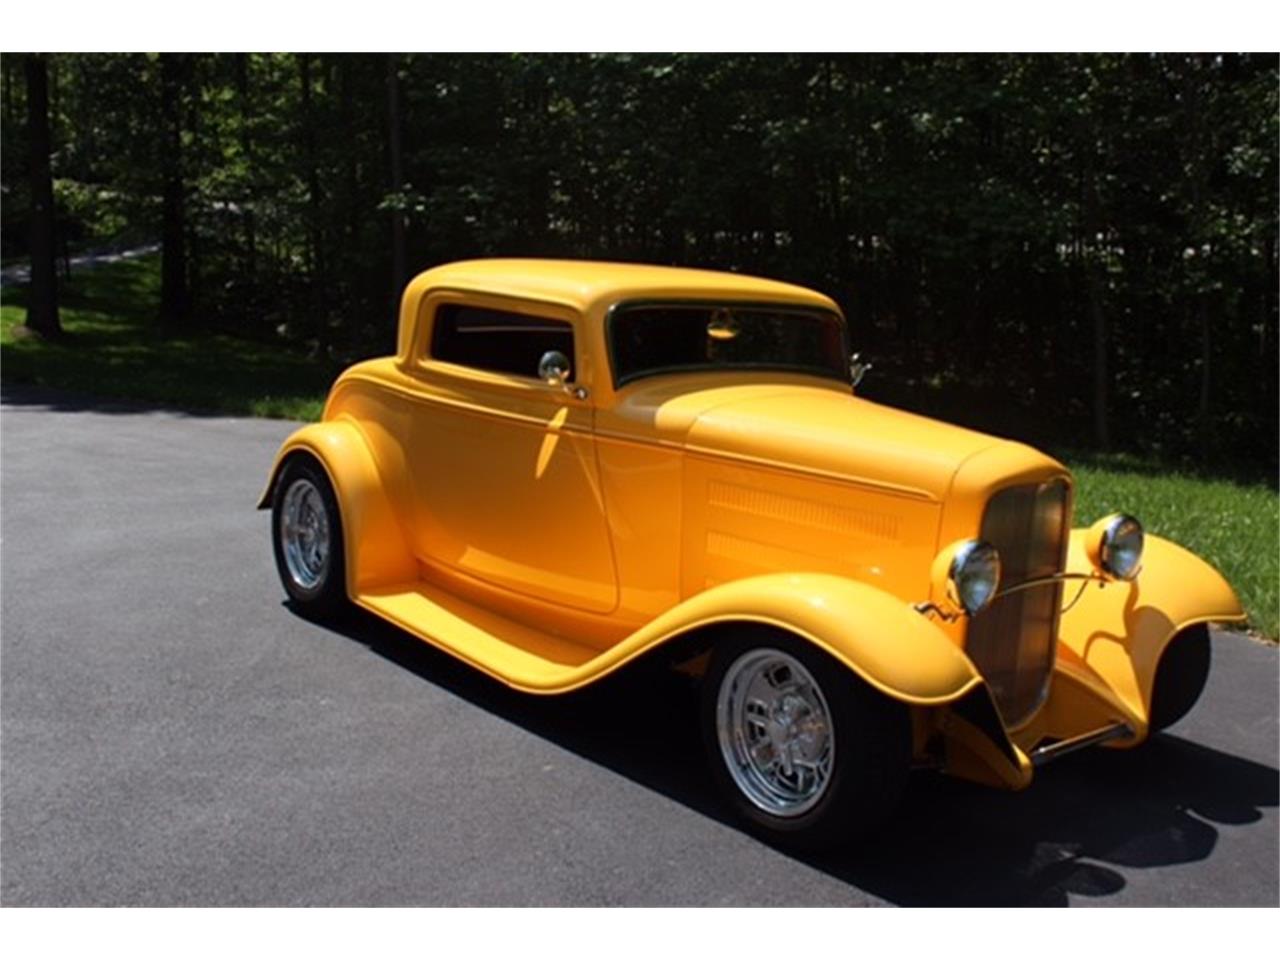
column 1180, row 675
column 269, row 494
column 690, row 652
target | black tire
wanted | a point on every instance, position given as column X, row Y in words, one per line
column 327, row 595
column 1180, row 676
column 871, row 756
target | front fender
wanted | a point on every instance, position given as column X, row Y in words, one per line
column 375, row 547
column 877, row 636
column 880, row 638
column 1119, row 630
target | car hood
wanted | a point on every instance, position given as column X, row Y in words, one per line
column 816, row 429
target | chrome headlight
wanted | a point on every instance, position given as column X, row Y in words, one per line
column 974, row 576
column 1115, row 545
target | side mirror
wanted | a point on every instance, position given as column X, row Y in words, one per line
column 553, row 368
column 858, row 368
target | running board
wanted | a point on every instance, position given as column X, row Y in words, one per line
column 517, row 654
column 1052, row 751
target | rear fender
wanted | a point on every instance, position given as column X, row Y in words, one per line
column 375, row 546
column 1114, row 633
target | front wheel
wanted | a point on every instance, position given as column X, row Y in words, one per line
column 804, row 751
column 307, row 537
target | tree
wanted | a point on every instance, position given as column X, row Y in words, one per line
column 42, row 304
column 1073, row 249
column 395, row 160
column 175, row 302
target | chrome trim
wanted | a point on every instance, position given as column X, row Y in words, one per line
column 964, row 553
column 1052, row 751
column 1018, row 560
column 858, row 368
column 304, row 534
column 1107, row 544
column 553, row 368
column 926, row 607
column 1045, row 581
column 775, row 732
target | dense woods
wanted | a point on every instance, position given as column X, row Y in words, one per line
column 1071, row 249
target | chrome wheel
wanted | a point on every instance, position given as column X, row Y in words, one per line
column 775, row 732
column 304, row 534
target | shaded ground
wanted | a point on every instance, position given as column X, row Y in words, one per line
column 113, row 347
column 173, row 734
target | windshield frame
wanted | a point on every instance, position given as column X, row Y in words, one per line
column 825, row 373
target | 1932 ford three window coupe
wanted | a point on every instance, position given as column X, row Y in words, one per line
column 569, row 464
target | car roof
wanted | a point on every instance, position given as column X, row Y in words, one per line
column 587, row 283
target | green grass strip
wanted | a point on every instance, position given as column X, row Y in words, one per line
column 113, row 348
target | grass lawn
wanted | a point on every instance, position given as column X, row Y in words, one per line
column 113, row 351
column 1234, row 526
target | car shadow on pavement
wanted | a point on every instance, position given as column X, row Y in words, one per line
column 1085, row 820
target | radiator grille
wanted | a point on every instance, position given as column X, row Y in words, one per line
column 1012, row 642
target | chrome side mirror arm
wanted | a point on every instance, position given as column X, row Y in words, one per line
column 857, row 369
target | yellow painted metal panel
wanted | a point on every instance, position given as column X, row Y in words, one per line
column 1118, row 630
column 887, row 643
column 373, row 540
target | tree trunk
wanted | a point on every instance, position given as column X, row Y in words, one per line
column 42, row 305
column 350, row 205
column 10, row 110
column 174, row 298
column 246, row 147
column 316, row 271
column 396, row 157
column 191, row 80
column 315, row 254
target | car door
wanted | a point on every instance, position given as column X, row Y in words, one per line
column 506, row 485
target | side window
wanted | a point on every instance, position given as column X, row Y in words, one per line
column 497, row 340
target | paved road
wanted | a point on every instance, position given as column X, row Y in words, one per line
column 21, row 273
column 170, row 733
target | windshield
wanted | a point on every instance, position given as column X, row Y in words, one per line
column 674, row 338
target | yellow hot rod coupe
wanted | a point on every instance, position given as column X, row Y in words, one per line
column 569, row 464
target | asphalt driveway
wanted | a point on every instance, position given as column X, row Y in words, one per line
column 171, row 733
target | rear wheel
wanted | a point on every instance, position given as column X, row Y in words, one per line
column 307, row 537
column 803, row 750
column 1180, row 677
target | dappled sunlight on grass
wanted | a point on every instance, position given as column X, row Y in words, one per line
column 113, row 348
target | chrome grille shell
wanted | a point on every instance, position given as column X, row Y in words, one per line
column 1012, row 642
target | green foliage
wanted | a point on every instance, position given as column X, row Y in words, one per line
column 94, row 213
column 986, row 221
